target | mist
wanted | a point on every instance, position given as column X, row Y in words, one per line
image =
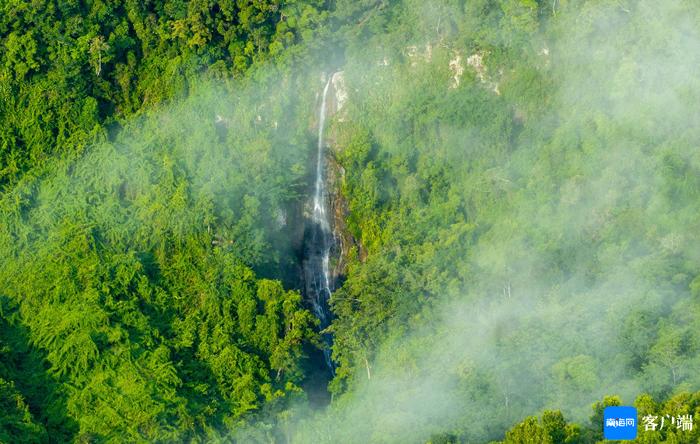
column 525, row 227
column 524, row 336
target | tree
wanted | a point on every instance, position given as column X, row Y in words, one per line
column 530, row 431
column 16, row 422
column 98, row 46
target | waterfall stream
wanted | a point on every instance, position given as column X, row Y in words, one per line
column 319, row 240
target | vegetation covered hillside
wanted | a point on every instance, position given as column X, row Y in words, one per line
column 520, row 180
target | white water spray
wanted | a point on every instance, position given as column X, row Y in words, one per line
column 320, row 239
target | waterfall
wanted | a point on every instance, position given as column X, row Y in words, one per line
column 319, row 240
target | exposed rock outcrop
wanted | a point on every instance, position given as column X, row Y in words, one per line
column 476, row 61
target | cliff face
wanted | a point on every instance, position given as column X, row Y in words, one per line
column 342, row 242
column 345, row 242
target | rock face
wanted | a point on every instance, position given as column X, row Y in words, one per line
column 318, row 237
column 345, row 242
column 325, row 239
column 457, row 70
column 342, row 242
column 424, row 54
column 340, row 92
column 476, row 62
column 416, row 54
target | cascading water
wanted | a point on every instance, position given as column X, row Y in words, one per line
column 319, row 240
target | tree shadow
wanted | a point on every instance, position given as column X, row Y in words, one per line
column 28, row 368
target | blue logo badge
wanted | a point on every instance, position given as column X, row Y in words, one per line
column 620, row 422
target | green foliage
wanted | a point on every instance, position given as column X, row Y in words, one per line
column 521, row 185
column 120, row 59
column 17, row 424
column 530, row 431
column 553, row 428
column 130, row 272
column 533, row 222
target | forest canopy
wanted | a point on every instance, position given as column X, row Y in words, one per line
column 517, row 183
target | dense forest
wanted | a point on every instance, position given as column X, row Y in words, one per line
column 516, row 196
